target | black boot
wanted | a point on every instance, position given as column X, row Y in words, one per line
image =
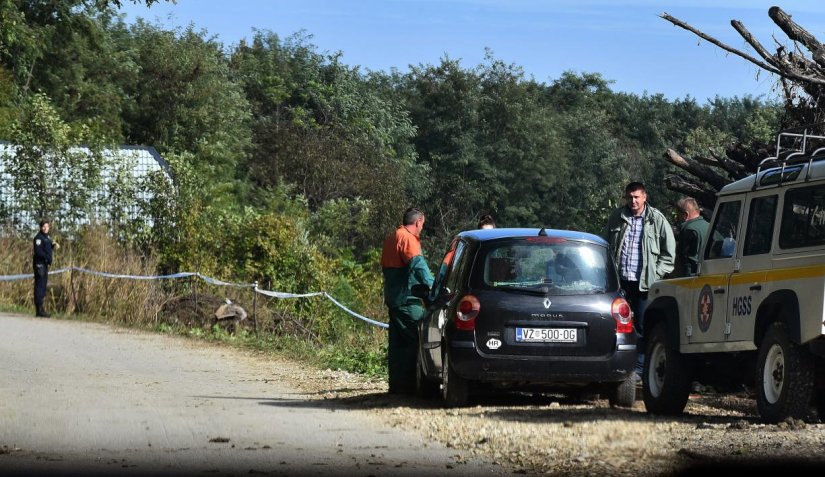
column 41, row 313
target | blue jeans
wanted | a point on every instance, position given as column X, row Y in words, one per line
column 638, row 302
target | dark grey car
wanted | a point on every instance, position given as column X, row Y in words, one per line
column 527, row 308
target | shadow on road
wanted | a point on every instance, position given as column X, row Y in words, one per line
column 713, row 409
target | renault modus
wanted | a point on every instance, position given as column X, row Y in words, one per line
column 527, row 309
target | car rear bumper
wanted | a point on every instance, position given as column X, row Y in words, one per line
column 470, row 363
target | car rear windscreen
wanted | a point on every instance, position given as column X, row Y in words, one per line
column 555, row 267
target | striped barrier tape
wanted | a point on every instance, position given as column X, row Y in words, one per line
column 376, row 323
column 133, row 277
column 28, row 276
column 325, row 295
column 11, row 278
column 213, row 281
column 275, row 294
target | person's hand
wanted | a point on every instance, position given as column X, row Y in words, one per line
column 56, row 245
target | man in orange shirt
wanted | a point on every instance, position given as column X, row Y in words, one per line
column 403, row 266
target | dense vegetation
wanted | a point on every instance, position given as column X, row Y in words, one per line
column 291, row 166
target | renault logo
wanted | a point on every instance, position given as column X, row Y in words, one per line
column 547, row 303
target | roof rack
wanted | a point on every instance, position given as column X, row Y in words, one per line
column 794, row 153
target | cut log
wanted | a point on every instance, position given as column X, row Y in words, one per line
column 717, row 181
column 705, row 196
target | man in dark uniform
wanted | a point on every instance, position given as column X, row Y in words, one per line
column 693, row 232
column 41, row 259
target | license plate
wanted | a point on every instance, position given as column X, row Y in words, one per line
column 546, row 335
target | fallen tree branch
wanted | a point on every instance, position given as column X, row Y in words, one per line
column 684, row 185
column 798, row 34
column 710, row 39
column 783, row 71
column 705, row 173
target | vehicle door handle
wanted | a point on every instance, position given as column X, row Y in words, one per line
column 719, row 291
column 756, row 287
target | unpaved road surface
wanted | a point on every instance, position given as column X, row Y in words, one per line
column 87, row 399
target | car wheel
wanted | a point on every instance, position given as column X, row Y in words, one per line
column 666, row 376
column 424, row 387
column 623, row 394
column 454, row 388
column 784, row 377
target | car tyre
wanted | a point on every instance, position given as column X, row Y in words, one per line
column 455, row 390
column 784, row 377
column 424, row 387
column 666, row 378
column 623, row 394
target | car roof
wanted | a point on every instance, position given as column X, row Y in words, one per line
column 483, row 235
column 810, row 171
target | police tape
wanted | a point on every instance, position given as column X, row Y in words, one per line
column 325, row 295
column 210, row 280
column 205, row 278
column 360, row 317
column 132, row 277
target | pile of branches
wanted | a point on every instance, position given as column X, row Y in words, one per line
column 801, row 72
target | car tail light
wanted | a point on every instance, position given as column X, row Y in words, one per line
column 622, row 314
column 466, row 313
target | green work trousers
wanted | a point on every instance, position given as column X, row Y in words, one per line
column 402, row 348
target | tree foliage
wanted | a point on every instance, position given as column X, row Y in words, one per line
column 184, row 100
column 52, row 177
column 320, row 126
column 49, row 174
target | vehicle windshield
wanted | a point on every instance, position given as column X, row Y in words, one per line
column 554, row 268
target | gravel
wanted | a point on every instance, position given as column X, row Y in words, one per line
column 553, row 434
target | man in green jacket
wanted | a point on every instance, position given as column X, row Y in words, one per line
column 693, row 232
column 643, row 248
column 403, row 266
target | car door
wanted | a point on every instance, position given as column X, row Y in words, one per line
column 748, row 283
column 708, row 322
column 432, row 326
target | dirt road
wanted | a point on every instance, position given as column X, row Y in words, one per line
column 88, row 399
column 81, row 398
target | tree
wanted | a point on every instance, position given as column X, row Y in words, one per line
column 51, row 177
column 330, row 133
column 184, row 100
column 492, row 143
column 30, row 29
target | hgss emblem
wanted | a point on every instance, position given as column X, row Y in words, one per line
column 547, row 303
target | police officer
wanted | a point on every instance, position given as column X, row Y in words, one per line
column 41, row 259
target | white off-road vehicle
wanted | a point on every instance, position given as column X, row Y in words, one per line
column 754, row 313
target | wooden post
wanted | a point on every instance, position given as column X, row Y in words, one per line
column 72, row 297
column 255, row 306
column 193, row 284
